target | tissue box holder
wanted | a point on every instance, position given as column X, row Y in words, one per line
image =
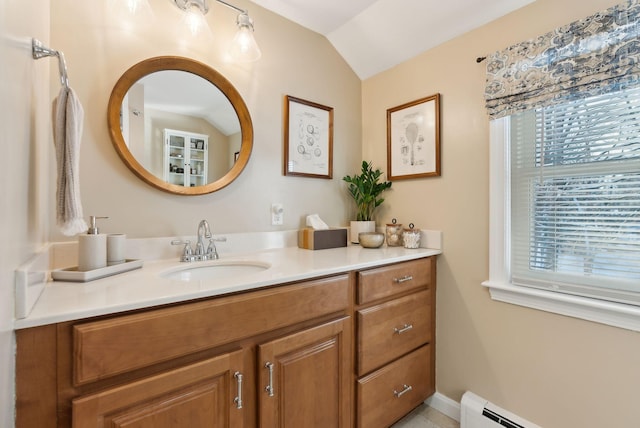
column 311, row 239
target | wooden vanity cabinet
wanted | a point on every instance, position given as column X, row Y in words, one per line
column 179, row 365
column 395, row 346
column 295, row 355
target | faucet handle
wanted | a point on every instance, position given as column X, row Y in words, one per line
column 181, row 242
column 212, row 251
column 187, row 253
column 199, row 248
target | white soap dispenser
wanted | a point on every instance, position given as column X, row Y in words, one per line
column 92, row 248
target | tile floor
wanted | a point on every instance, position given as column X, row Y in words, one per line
column 426, row 417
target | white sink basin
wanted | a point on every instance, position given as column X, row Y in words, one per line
column 215, row 270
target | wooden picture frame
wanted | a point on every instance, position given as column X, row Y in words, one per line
column 308, row 139
column 413, row 139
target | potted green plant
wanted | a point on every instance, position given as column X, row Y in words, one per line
column 365, row 188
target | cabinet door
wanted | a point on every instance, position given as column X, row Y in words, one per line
column 304, row 380
column 176, row 151
column 198, row 160
column 206, row 394
column 185, row 158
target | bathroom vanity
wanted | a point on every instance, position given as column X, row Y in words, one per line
column 351, row 342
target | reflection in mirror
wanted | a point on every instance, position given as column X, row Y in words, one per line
column 179, row 125
column 165, row 112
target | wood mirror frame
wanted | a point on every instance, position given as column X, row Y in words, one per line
column 152, row 65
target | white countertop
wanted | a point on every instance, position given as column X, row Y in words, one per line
column 145, row 287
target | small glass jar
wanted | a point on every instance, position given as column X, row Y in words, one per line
column 394, row 234
column 411, row 237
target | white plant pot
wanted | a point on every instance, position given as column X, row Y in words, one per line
column 357, row 227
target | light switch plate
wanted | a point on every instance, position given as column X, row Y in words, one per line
column 277, row 214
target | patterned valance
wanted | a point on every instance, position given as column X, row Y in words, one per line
column 595, row 55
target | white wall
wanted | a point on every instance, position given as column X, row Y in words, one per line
column 24, row 144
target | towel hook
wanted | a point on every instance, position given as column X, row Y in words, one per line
column 40, row 51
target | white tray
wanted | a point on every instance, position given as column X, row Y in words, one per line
column 74, row 275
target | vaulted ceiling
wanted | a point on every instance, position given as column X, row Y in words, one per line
column 375, row 35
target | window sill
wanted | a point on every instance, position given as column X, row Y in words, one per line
column 600, row 311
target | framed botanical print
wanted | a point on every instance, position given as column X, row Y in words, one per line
column 413, row 139
column 308, row 139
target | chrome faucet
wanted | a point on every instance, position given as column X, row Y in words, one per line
column 200, row 254
column 204, row 231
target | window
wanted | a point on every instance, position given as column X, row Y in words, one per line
column 565, row 169
column 575, row 185
column 568, row 194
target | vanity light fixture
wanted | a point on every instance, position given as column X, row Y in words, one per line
column 124, row 10
column 136, row 6
column 195, row 10
column 244, row 47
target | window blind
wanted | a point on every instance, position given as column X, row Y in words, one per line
column 575, row 197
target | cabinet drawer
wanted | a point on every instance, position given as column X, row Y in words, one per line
column 391, row 392
column 387, row 281
column 117, row 345
column 391, row 329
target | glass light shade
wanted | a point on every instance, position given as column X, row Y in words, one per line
column 244, row 47
column 136, row 6
column 194, row 20
column 140, row 10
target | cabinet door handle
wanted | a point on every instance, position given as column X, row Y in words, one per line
column 269, row 387
column 403, row 329
column 403, row 279
column 405, row 389
column 238, row 399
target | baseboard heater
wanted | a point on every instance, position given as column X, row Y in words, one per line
column 476, row 412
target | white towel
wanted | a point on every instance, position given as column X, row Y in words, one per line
column 67, row 132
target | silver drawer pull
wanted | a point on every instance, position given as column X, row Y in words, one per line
column 403, row 329
column 269, row 387
column 403, row 279
column 238, row 399
column 405, row 389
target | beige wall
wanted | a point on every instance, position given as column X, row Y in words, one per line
column 24, row 142
column 554, row 370
column 98, row 50
column 295, row 62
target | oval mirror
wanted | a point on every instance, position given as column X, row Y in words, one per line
column 179, row 125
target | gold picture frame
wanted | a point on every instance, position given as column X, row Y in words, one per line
column 413, row 139
column 308, row 139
